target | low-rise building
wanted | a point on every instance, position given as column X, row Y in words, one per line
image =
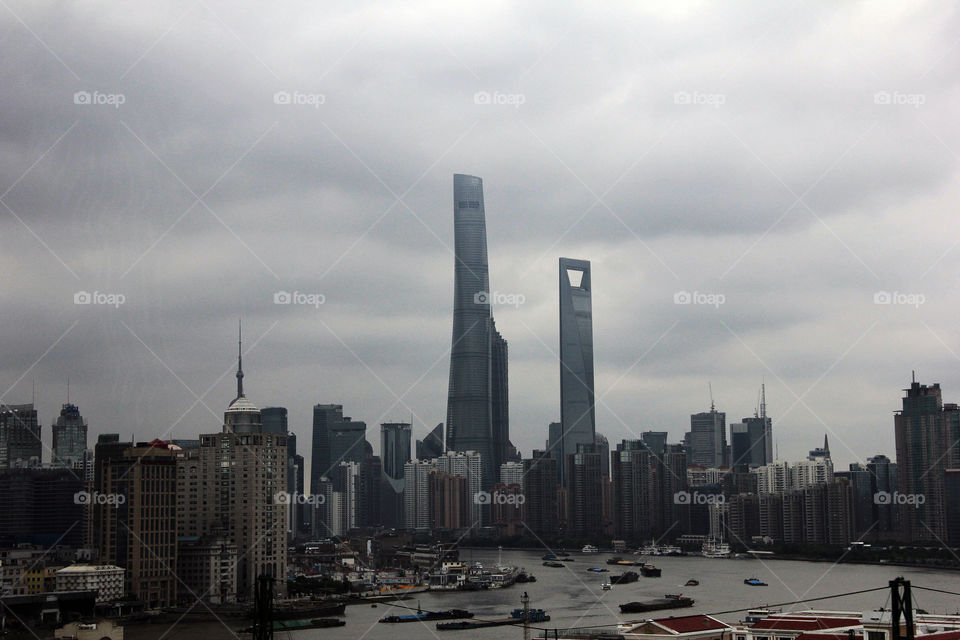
column 105, row 579
column 696, row 627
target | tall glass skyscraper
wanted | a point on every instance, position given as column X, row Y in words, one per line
column 477, row 405
column 577, row 415
column 69, row 437
column 395, row 453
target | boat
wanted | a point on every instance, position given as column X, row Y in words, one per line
column 554, row 564
column 535, row 615
column 650, row 571
column 606, row 586
column 589, row 548
column 549, row 556
column 715, row 549
column 300, row 625
column 307, row 611
column 656, row 604
column 419, row 616
column 691, row 583
column 625, row 578
column 598, row 569
column 755, row 582
column 523, row 576
column 755, row 615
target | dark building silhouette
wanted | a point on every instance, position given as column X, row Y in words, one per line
column 69, row 437
column 883, row 474
column 540, row 489
column 432, row 445
column 927, row 431
column 19, row 436
column 577, row 411
column 708, row 439
column 41, row 507
column 584, row 493
column 395, row 452
column 477, row 404
column 635, row 495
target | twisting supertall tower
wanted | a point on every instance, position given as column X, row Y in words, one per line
column 477, row 404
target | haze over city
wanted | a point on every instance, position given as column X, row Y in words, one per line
column 797, row 161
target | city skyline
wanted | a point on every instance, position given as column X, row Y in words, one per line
column 613, row 154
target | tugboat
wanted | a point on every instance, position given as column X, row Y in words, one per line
column 449, row 614
column 625, row 578
column 755, row 582
column 598, row 569
column 552, row 563
column 650, row 571
column 692, row 583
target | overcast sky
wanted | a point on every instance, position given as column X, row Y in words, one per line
column 785, row 161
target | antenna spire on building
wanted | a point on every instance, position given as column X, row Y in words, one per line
column 710, row 386
column 240, row 358
column 763, row 400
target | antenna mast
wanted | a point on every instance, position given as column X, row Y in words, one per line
column 763, row 400
column 710, row 386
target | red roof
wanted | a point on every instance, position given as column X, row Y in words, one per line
column 688, row 624
column 805, row 623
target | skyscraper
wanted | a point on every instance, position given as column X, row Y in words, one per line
column 927, row 431
column 274, row 420
column 69, row 437
column 19, row 436
column 577, row 414
column 245, row 470
column 432, row 445
column 540, row 490
column 395, row 452
column 477, row 404
column 708, row 438
column 584, row 492
column 634, row 492
column 336, row 439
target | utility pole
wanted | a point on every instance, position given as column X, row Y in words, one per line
column 901, row 604
column 525, row 599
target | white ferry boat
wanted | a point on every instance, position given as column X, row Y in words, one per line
column 716, row 549
column 589, row 548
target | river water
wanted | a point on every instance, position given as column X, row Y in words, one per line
column 573, row 598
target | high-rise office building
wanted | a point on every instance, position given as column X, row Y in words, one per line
column 134, row 506
column 20, row 444
column 299, row 522
column 336, row 439
column 69, row 437
column 395, row 452
column 584, row 493
column 708, row 439
column 416, row 494
column 927, row 431
column 245, row 472
column 512, row 473
column 577, row 413
column 432, row 445
column 477, row 396
column 540, row 490
column 634, row 490
column 656, row 441
column 40, row 507
column 274, row 420
column 469, row 465
column 883, row 474
column 861, row 483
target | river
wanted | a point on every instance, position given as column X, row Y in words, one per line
column 573, row 598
